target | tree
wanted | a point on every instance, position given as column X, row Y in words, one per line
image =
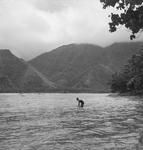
column 130, row 79
column 118, row 83
column 129, row 13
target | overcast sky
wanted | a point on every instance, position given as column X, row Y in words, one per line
column 31, row 27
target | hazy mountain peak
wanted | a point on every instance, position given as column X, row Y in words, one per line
column 84, row 66
column 5, row 51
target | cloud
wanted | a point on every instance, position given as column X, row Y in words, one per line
column 54, row 5
column 30, row 27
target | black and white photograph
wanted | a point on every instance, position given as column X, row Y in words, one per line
column 71, row 74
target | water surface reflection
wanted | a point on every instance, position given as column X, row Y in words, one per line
column 53, row 122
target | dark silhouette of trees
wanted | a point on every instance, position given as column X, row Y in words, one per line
column 130, row 79
column 118, row 83
column 129, row 13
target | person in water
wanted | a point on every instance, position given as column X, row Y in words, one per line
column 80, row 102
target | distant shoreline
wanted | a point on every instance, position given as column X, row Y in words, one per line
column 53, row 92
column 126, row 95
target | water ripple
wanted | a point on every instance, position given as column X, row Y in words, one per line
column 53, row 122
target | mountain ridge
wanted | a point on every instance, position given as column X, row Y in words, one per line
column 68, row 68
column 16, row 75
column 67, row 64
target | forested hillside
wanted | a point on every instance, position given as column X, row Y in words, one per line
column 84, row 66
column 18, row 76
column 130, row 78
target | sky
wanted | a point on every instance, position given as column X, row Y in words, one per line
column 31, row 27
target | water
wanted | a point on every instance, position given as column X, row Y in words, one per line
column 54, row 122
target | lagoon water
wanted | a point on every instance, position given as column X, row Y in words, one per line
column 54, row 122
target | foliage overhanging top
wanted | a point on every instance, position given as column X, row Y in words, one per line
column 130, row 14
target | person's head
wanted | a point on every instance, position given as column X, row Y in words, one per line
column 77, row 99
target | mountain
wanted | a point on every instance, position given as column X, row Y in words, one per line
column 67, row 65
column 69, row 68
column 84, row 66
column 18, row 76
column 118, row 53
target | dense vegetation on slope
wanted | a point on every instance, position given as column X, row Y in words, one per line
column 84, row 66
column 69, row 68
column 74, row 66
column 11, row 70
column 18, row 76
column 130, row 79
